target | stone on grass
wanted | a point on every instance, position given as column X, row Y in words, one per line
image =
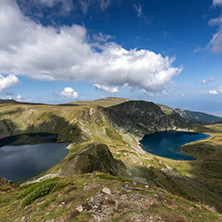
column 106, row 190
column 79, row 208
column 24, row 219
column 40, row 203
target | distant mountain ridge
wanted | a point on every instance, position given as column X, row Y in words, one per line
column 199, row 117
column 194, row 116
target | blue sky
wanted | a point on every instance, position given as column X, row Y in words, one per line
column 166, row 51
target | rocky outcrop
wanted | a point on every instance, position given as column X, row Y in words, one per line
column 6, row 185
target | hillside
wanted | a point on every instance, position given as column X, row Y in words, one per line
column 106, row 102
column 142, row 118
column 105, row 137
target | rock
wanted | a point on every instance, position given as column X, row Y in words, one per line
column 97, row 218
column 40, row 203
column 139, row 189
column 126, row 188
column 134, row 183
column 79, row 208
column 28, row 212
column 85, row 188
column 138, row 196
column 24, row 219
column 213, row 209
column 106, row 190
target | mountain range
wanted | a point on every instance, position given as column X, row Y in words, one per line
column 104, row 136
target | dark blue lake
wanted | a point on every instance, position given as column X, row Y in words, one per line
column 168, row 143
column 21, row 162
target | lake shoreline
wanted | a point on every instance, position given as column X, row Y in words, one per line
column 171, row 149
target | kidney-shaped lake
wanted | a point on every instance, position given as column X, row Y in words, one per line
column 21, row 162
column 168, row 143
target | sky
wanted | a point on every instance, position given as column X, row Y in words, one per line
column 165, row 51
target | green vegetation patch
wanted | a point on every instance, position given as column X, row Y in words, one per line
column 38, row 190
column 110, row 177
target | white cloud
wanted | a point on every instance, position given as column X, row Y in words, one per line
column 19, row 97
column 146, row 92
column 7, row 82
column 9, row 97
column 106, row 88
column 69, row 93
column 46, row 53
column 215, row 21
column 214, row 92
column 139, row 10
column 197, row 49
column 101, row 4
column 215, row 44
column 35, row 8
column 67, row 5
column 102, row 38
column 217, row 2
column 206, row 82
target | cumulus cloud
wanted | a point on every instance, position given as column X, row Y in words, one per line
column 217, row 2
column 7, row 82
column 65, row 53
column 69, row 93
column 18, row 97
column 106, row 88
column 214, row 92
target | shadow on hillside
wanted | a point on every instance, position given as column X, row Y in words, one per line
column 200, row 181
column 69, row 105
column 52, row 124
column 12, row 112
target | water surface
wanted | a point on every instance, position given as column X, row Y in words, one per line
column 21, row 162
column 168, row 143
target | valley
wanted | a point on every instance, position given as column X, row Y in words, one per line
column 105, row 150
